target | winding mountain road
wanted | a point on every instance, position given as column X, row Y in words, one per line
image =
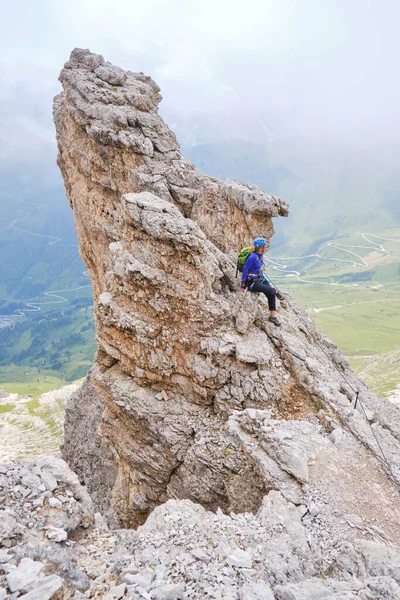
column 374, row 246
column 35, row 306
column 53, row 241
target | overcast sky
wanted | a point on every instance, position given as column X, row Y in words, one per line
column 294, row 67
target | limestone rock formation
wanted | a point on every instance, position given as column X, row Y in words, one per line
column 41, row 504
column 52, row 546
column 194, row 395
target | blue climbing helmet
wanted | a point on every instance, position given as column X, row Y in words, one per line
column 258, row 242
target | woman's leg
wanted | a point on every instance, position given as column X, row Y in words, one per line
column 270, row 293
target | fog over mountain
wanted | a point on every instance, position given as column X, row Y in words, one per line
column 256, row 71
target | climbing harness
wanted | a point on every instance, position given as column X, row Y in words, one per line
column 356, row 392
column 255, row 280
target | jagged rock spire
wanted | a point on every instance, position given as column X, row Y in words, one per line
column 193, row 395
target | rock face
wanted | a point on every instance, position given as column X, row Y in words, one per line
column 183, row 552
column 41, row 504
column 194, row 395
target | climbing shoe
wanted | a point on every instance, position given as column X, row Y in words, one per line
column 279, row 295
column 275, row 321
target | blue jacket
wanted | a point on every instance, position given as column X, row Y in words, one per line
column 253, row 266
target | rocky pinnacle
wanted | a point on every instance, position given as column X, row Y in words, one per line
column 194, row 395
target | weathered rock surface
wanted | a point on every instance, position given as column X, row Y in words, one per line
column 181, row 354
column 46, row 494
column 42, row 504
column 184, row 552
column 196, row 403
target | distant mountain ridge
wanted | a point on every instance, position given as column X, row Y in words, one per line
column 332, row 188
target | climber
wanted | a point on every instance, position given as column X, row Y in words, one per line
column 254, row 280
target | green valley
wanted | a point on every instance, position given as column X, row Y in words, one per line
column 46, row 316
column 46, row 351
column 356, row 304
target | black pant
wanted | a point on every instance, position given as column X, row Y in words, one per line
column 266, row 289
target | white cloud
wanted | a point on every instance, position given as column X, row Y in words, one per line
column 303, row 66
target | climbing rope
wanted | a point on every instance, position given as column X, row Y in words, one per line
column 356, row 392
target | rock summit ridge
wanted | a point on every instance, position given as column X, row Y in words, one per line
column 193, row 394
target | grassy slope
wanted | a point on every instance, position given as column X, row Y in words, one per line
column 31, row 265
column 28, row 381
column 348, row 305
column 63, row 352
column 380, row 372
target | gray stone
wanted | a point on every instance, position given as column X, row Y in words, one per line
column 9, row 527
column 129, row 578
column 31, row 481
column 58, row 469
column 254, row 349
column 200, row 554
column 256, row 591
column 134, row 591
column 105, row 299
column 44, row 589
column 169, row 591
column 313, row 509
column 116, row 592
column 5, row 556
column 24, row 575
column 289, row 455
column 54, row 503
column 131, row 568
column 318, row 589
column 143, row 579
column 81, row 512
column 3, row 593
column 111, row 74
column 76, row 578
column 81, row 424
column 240, row 558
column 56, row 534
column 336, row 436
column 378, row 588
column 81, row 56
column 49, row 481
column 378, row 559
column 370, row 415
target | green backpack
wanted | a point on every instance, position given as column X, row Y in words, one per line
column 242, row 257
